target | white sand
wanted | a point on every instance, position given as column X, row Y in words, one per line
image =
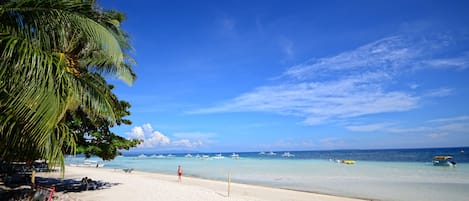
column 153, row 186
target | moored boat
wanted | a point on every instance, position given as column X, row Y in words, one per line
column 443, row 161
column 88, row 163
column 288, row 155
column 348, row 162
column 160, row 156
column 218, row 156
column 235, row 156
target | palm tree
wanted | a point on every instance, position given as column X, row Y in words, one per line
column 53, row 56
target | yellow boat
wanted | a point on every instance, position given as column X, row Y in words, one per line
column 348, row 162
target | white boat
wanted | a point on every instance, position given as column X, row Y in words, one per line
column 170, row 156
column 443, row 161
column 88, row 163
column 271, row 154
column 160, row 156
column 205, row 157
column 288, row 155
column 142, row 156
column 218, row 156
column 188, row 156
column 235, row 156
column 198, row 156
column 261, row 153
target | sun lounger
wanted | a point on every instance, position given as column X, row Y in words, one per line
column 128, row 170
column 89, row 184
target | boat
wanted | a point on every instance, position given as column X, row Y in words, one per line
column 142, row 156
column 188, row 156
column 88, row 163
column 205, row 157
column 348, row 162
column 218, row 156
column 443, row 161
column 160, row 156
column 271, row 154
column 288, row 155
column 235, row 156
column 261, row 153
column 170, row 156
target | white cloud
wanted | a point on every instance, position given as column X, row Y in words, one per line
column 368, row 127
column 456, row 127
column 147, row 128
column 386, row 55
column 437, row 135
column 194, row 135
column 413, row 86
column 154, row 138
column 187, row 143
column 332, row 142
column 137, row 132
column 437, row 128
column 150, row 137
column 451, row 119
column 318, row 102
column 459, row 63
column 441, row 92
column 287, row 48
column 351, row 84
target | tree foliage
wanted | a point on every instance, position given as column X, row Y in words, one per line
column 94, row 135
column 53, row 56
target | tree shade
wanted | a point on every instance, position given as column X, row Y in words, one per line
column 53, row 56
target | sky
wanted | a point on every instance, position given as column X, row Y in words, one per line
column 226, row 76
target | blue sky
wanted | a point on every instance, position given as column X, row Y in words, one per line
column 297, row 75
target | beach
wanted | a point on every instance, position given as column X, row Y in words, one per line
column 155, row 186
column 401, row 175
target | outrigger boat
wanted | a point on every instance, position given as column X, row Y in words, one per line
column 348, row 162
column 443, row 161
column 235, row 156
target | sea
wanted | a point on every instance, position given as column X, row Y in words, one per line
column 390, row 174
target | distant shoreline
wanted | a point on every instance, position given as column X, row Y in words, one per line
column 135, row 152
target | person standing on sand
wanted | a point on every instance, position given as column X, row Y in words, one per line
column 179, row 173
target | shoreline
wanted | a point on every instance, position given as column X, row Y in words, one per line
column 140, row 185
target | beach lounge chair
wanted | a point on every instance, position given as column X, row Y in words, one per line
column 89, row 184
column 128, row 170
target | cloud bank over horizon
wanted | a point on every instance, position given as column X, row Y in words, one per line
column 156, row 139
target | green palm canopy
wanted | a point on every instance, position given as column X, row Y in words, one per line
column 53, row 57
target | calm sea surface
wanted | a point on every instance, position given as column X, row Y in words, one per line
column 398, row 174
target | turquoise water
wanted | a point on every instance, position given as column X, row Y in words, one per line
column 380, row 180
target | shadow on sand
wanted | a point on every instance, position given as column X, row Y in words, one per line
column 24, row 192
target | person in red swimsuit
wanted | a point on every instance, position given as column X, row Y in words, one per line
column 179, row 173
